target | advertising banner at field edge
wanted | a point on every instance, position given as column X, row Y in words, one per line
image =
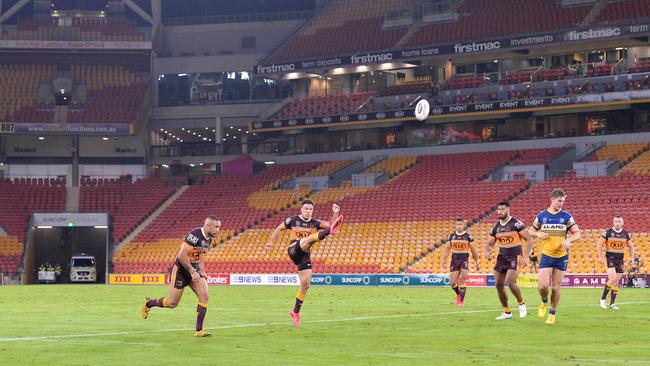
column 136, row 279
column 436, row 280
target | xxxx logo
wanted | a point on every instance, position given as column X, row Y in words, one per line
column 150, row 279
column 122, row 279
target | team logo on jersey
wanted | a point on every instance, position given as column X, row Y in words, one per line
column 193, row 239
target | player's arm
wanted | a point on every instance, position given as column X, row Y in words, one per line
column 475, row 255
column 202, row 270
column 276, row 234
column 630, row 248
column 535, row 232
column 489, row 246
column 184, row 258
column 529, row 245
column 599, row 249
column 445, row 253
column 574, row 235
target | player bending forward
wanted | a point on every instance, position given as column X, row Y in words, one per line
column 188, row 271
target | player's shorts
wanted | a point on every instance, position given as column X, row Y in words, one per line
column 616, row 261
column 560, row 264
column 459, row 262
column 179, row 276
column 506, row 263
column 299, row 257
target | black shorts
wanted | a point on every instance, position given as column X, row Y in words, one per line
column 459, row 262
column 616, row 261
column 299, row 257
column 179, row 276
column 506, row 263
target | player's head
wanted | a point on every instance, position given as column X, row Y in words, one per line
column 557, row 199
column 618, row 222
column 307, row 209
column 460, row 225
column 503, row 210
column 212, row 225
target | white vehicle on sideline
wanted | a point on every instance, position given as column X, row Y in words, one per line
column 82, row 268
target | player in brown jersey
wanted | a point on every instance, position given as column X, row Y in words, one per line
column 305, row 233
column 187, row 270
column 509, row 233
column 459, row 243
column 615, row 240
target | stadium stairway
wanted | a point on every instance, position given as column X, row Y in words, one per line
column 599, row 5
column 3, row 232
column 151, row 217
column 72, row 199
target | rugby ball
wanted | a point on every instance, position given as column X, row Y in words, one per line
column 422, row 110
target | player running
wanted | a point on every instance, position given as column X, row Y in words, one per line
column 304, row 233
column 509, row 233
column 558, row 231
column 460, row 244
column 188, row 271
column 615, row 240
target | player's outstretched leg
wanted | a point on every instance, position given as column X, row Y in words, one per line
column 170, row 301
column 306, row 243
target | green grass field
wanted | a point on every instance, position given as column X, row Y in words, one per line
column 101, row 325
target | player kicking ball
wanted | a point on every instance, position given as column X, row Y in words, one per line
column 304, row 234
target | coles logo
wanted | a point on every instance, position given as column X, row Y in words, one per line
column 219, row 279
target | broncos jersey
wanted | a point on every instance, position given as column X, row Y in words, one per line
column 556, row 225
column 616, row 241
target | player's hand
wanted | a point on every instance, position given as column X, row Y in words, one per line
column 600, row 260
column 336, row 209
column 195, row 275
column 478, row 267
column 269, row 246
column 566, row 244
column 202, row 274
column 542, row 235
column 524, row 261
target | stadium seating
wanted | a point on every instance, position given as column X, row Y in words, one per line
column 325, row 105
column 617, row 11
column 464, row 81
column 224, row 196
column 115, row 94
column 345, row 26
column 517, row 77
column 18, row 200
column 622, row 153
column 128, row 203
column 18, row 91
column 639, row 166
column 536, row 156
column 481, row 19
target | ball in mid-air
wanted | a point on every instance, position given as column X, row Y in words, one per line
column 422, row 110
